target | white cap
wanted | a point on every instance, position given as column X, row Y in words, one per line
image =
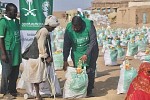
column 79, row 9
column 51, row 21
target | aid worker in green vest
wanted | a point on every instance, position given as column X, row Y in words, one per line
column 10, row 51
column 80, row 37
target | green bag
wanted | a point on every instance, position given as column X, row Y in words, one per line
column 133, row 48
column 147, row 58
column 141, row 45
column 113, row 54
column 121, row 52
column 58, row 60
column 129, row 75
column 79, row 82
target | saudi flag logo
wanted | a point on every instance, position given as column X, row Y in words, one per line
column 29, row 11
column 34, row 12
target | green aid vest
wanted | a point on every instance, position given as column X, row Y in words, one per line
column 12, row 40
column 80, row 41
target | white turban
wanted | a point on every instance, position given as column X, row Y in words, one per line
column 79, row 9
column 51, row 21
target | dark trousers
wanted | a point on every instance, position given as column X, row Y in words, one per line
column 91, row 70
column 9, row 76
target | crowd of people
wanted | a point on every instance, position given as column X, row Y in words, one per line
column 80, row 38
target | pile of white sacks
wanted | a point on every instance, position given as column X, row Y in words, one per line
column 57, row 39
column 113, row 42
column 99, row 19
column 119, row 44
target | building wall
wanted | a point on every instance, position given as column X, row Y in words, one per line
column 128, row 15
column 131, row 4
column 109, row 7
column 101, row 4
column 140, row 13
column 132, row 17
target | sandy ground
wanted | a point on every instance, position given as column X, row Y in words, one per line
column 105, row 83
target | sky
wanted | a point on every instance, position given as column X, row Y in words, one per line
column 62, row 5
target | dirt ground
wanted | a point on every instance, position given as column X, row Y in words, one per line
column 105, row 83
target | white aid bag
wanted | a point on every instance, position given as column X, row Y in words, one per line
column 108, row 60
column 126, row 77
column 120, row 88
column 76, row 84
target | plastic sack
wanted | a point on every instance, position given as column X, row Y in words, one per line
column 107, row 58
column 76, row 84
column 123, row 42
column 100, row 43
column 147, row 58
column 141, row 45
column 129, row 75
column 140, row 55
column 121, row 53
column 132, row 49
column 120, row 88
column 58, row 60
column 59, row 44
column 113, row 54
